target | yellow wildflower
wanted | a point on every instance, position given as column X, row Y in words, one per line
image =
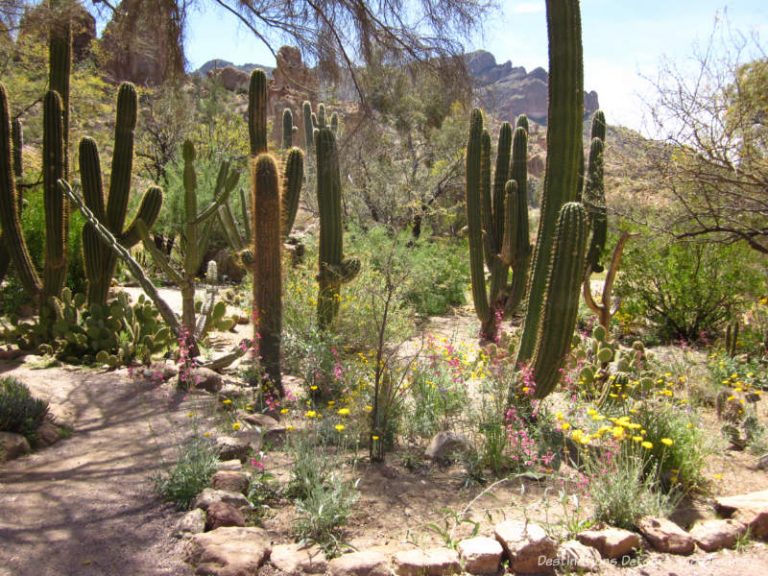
column 310, row 414
column 340, row 427
column 343, row 412
column 647, row 445
column 236, row 426
column 227, row 401
column 667, row 441
column 284, row 411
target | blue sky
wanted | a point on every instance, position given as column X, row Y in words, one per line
column 624, row 40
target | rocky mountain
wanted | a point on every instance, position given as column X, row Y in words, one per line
column 506, row 91
column 503, row 90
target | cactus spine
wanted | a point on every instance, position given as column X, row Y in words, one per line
column 333, row 268
column 560, row 307
column 13, row 237
column 564, row 126
column 267, row 283
column 100, row 260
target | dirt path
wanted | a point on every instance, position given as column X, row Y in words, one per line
column 86, row 506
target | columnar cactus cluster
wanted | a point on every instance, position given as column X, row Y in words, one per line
column 497, row 218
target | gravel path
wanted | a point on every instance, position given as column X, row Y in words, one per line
column 86, row 506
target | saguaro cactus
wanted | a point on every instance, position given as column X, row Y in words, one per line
column 257, row 112
column 334, row 270
column 309, row 129
column 267, row 282
column 56, row 205
column 293, row 178
column 10, row 219
column 100, row 260
column 288, row 129
column 560, row 307
column 564, row 126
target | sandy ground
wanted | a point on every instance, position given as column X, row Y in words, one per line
column 86, row 506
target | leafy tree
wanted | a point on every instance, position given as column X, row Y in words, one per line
column 713, row 163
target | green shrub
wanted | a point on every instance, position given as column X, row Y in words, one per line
column 190, row 475
column 686, row 291
column 19, row 411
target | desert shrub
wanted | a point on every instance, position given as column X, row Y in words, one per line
column 190, row 474
column 324, row 511
column 686, row 291
column 20, row 412
column 623, row 491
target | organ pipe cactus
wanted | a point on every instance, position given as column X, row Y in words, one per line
column 60, row 64
column 497, row 218
column 564, row 143
column 100, row 260
column 334, row 270
column 267, row 282
column 517, row 245
column 560, row 299
column 10, row 218
column 17, row 143
column 309, row 129
column 293, row 178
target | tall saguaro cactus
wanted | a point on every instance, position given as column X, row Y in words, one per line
column 267, row 274
column 564, row 152
column 257, row 112
column 60, row 64
column 10, row 218
column 100, row 259
column 334, row 270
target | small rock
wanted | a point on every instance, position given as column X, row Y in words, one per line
column 433, row 562
column 574, row 557
column 47, row 434
column 749, row 509
column 231, row 391
column 365, row 563
column 193, row 522
column 666, row 536
column 209, row 496
column 233, row 465
column 444, row 444
column 527, row 546
column 713, row 535
column 253, row 437
column 612, row 543
column 260, row 420
column 13, row 446
column 480, row 555
column 293, row 559
column 206, row 379
column 231, row 447
column 230, row 481
column 762, row 463
column 275, row 437
column 229, row 551
column 220, row 514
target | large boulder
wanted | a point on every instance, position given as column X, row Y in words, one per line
column 749, row 509
column 714, row 535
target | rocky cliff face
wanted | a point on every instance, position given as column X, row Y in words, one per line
column 506, row 91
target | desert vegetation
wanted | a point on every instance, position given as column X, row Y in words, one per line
column 368, row 325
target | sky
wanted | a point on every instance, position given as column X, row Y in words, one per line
column 624, row 42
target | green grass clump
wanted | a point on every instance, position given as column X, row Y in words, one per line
column 191, row 473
